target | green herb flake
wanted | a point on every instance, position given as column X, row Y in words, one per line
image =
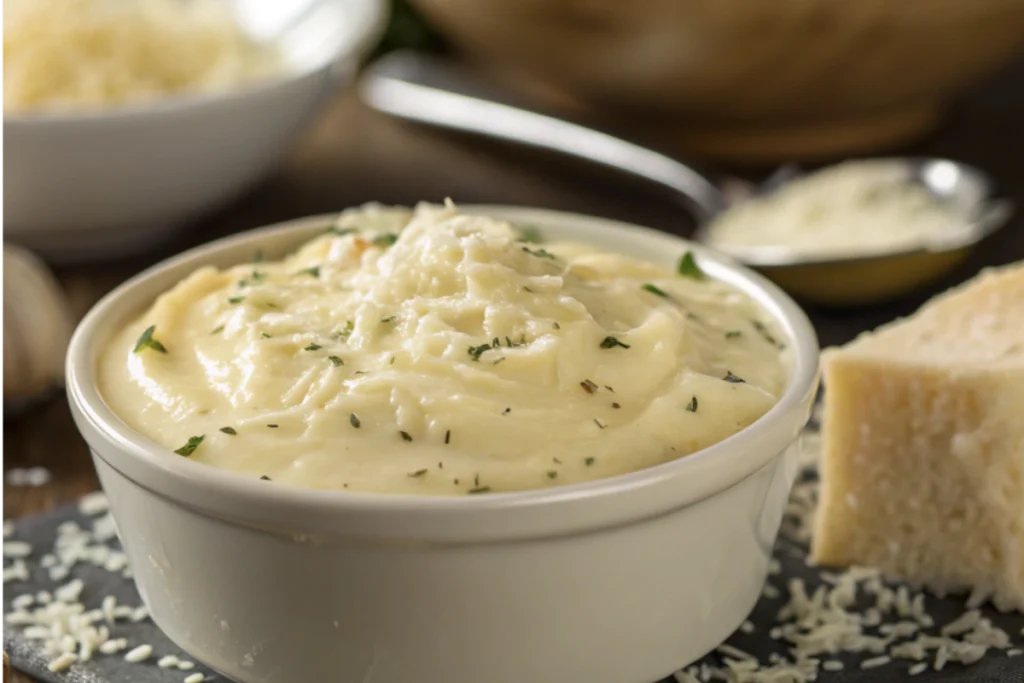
column 389, row 319
column 688, row 267
column 648, row 287
column 691, row 407
column 600, row 425
column 273, row 426
column 479, row 489
column 616, row 406
column 589, row 461
column 556, row 326
column 217, row 330
column 229, row 430
column 612, row 342
column 265, row 335
column 354, row 421
column 405, row 436
column 340, row 232
column 732, row 334
column 588, row 386
column 476, row 351
column 417, row 473
column 254, row 278
column 265, row 478
column 392, row 361
column 190, row 447
column 313, row 271
column 539, row 253
column 236, row 300
column 733, row 379
column 552, row 474
column 338, row 362
column 313, row 347
column 448, row 436
column 763, row 331
column 385, row 240
column 146, row 341
column 344, row 334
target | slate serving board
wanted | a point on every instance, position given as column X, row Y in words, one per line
column 41, row 530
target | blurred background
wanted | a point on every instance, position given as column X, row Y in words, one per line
column 100, row 186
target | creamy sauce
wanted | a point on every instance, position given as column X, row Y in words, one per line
column 432, row 352
column 856, row 207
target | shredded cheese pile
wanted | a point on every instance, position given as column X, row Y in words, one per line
column 88, row 54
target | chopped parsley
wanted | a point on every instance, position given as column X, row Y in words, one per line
column 648, row 287
column 732, row 334
column 405, row 436
column 313, row 347
column 448, row 436
column 600, row 425
column 556, row 325
column 312, row 270
column 389, row 319
column 354, row 421
column 252, row 279
column 236, row 300
column 530, row 236
column 539, row 253
column 763, row 331
column 688, row 267
column 476, row 351
column 417, row 473
column 273, row 426
column 507, row 411
column 264, row 478
column 392, row 361
column 336, row 360
column 612, row 342
column 340, row 232
column 588, row 386
column 589, row 461
column 229, row 430
column 616, row 406
column 552, row 474
column 479, row 489
column 691, row 407
column 217, row 330
column 146, row 341
column 385, row 240
column 729, row 377
column 190, row 447
column 265, row 335
column 345, row 333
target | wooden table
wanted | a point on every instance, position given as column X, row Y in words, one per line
column 353, row 155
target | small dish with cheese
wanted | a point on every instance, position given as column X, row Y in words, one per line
column 459, row 424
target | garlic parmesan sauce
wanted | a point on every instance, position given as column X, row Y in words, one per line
column 437, row 353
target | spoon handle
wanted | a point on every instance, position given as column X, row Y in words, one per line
column 421, row 89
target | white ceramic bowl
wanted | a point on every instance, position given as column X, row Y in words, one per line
column 101, row 184
column 615, row 581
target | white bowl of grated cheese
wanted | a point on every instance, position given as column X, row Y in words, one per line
column 124, row 120
column 622, row 579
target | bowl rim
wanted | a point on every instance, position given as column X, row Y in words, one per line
column 559, row 510
column 373, row 22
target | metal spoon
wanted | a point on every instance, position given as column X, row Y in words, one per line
column 423, row 89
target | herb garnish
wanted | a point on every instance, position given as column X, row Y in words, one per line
column 312, row 270
column 729, row 377
column 552, row 474
column 692, row 405
column 688, row 267
column 264, row 478
column 265, row 335
column 146, row 341
column 588, row 461
column 217, row 330
column 252, row 279
column 612, row 342
column 480, row 489
column 616, row 406
column 600, row 425
column 336, row 360
column 405, row 436
column 507, row 411
column 447, row 436
column 313, row 347
column 476, row 351
column 236, row 300
column 539, row 253
column 588, row 386
column 354, row 421
column 340, row 232
column 731, row 334
column 389, row 319
column 763, row 331
column 259, row 256
column 273, row 426
column 190, row 447
column 392, row 361
column 530, row 235
column 344, row 334
column 648, row 287
column 385, row 240
column 229, row 430
column 556, row 325
column 417, row 473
